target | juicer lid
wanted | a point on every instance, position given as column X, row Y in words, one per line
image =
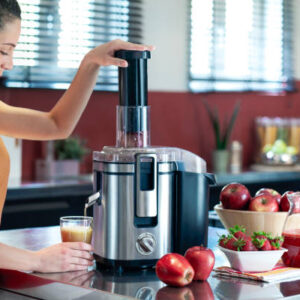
column 185, row 160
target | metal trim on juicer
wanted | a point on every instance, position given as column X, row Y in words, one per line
column 146, row 194
column 129, row 168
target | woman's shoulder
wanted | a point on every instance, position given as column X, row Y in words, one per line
column 2, row 104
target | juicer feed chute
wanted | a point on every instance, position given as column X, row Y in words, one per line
column 133, row 111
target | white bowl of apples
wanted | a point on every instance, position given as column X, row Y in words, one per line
column 266, row 211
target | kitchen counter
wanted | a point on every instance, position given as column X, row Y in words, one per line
column 100, row 284
column 252, row 177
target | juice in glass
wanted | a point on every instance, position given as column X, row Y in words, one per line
column 76, row 229
column 291, row 258
column 291, row 232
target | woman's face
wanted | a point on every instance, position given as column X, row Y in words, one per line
column 9, row 36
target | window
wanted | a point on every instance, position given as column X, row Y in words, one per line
column 241, row 45
column 56, row 34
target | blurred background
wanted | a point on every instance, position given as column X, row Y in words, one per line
column 237, row 58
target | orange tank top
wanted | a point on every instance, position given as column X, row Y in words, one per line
column 4, row 174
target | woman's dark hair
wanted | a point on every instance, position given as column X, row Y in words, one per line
column 9, row 10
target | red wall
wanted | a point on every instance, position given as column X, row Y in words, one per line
column 177, row 119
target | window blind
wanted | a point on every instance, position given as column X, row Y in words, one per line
column 240, row 45
column 56, row 34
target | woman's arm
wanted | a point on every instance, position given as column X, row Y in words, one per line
column 61, row 120
column 57, row 258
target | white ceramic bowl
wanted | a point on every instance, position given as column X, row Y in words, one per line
column 253, row 261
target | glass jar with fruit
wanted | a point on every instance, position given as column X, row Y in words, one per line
column 278, row 140
column 294, row 134
column 291, row 231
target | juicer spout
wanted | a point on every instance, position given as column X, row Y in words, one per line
column 91, row 201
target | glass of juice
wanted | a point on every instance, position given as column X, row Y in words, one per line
column 76, row 229
column 291, row 232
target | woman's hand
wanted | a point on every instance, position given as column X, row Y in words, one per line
column 64, row 257
column 103, row 55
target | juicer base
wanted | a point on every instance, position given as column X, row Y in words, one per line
column 104, row 263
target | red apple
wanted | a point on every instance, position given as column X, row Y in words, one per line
column 175, row 293
column 264, row 202
column 235, row 196
column 285, row 204
column 271, row 192
column 202, row 260
column 174, row 269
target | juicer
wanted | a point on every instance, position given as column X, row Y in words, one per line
column 148, row 201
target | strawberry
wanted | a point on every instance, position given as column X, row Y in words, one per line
column 262, row 234
column 239, row 244
column 232, row 244
column 249, row 246
column 261, row 241
column 223, row 240
column 277, row 242
column 238, row 231
column 244, row 242
column 266, row 246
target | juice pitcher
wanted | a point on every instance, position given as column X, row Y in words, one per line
column 291, row 231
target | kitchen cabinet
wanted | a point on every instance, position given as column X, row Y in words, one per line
column 43, row 203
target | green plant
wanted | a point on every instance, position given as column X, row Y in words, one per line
column 222, row 135
column 70, row 148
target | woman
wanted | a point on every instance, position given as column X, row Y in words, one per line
column 56, row 124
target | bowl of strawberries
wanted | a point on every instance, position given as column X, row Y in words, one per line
column 256, row 253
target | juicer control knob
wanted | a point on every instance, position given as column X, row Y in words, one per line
column 145, row 243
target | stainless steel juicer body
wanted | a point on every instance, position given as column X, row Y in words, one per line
column 142, row 212
column 133, row 226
